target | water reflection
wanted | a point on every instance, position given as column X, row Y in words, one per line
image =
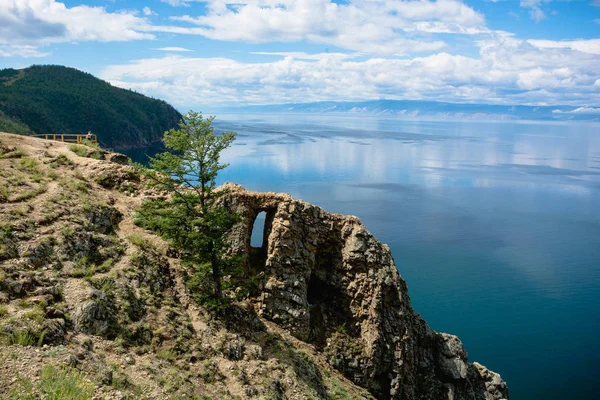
column 432, row 154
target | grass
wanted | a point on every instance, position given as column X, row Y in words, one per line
column 22, row 389
column 64, row 384
column 16, row 153
column 81, row 151
column 28, row 164
column 35, row 315
column 3, row 311
column 29, row 194
column 22, row 337
column 140, row 241
column 91, row 144
column 61, row 159
column 74, row 185
column 84, row 268
column 16, row 180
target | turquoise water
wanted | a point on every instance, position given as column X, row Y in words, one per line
column 495, row 226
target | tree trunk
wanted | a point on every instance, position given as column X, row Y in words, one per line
column 216, row 271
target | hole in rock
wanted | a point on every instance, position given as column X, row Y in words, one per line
column 257, row 238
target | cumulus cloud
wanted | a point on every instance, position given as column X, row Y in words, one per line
column 508, row 71
column 41, row 22
column 386, row 27
column 382, row 27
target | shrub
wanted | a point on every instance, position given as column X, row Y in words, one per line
column 79, row 150
column 64, row 384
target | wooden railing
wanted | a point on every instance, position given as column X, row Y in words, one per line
column 68, row 138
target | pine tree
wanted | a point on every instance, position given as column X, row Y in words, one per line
column 191, row 217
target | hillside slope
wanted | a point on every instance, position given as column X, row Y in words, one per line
column 91, row 302
column 56, row 99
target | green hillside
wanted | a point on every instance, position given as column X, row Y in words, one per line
column 56, row 99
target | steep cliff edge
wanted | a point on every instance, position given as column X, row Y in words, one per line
column 328, row 281
column 87, row 295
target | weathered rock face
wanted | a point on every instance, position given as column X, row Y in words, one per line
column 331, row 283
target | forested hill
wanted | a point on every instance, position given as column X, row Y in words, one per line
column 56, row 99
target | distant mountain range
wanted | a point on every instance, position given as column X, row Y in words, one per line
column 431, row 109
column 56, row 99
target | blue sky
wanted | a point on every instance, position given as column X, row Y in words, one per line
column 215, row 53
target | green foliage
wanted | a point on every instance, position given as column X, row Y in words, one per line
column 8, row 124
column 61, row 159
column 27, row 164
column 22, row 337
column 192, row 220
column 64, row 384
column 56, row 99
column 81, row 151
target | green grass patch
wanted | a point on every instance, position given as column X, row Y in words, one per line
column 61, row 160
column 81, row 151
column 29, row 194
column 28, row 164
column 64, row 384
column 14, row 153
column 22, row 337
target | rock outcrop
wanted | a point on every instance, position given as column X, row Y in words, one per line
column 87, row 295
column 331, row 283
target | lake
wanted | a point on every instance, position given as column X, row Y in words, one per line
column 494, row 225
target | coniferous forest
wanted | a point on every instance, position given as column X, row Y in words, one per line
column 56, row 99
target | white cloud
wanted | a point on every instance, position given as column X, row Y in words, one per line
column 580, row 110
column 383, row 27
column 535, row 11
column 175, row 49
column 386, row 27
column 42, row 22
column 508, row 71
column 537, row 14
column 20, row 51
column 304, row 56
column 176, row 3
column 147, row 11
column 591, row 46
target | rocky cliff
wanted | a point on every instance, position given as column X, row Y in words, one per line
column 89, row 299
column 328, row 281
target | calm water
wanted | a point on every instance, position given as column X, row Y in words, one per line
column 495, row 226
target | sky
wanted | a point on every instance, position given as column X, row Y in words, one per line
column 219, row 53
